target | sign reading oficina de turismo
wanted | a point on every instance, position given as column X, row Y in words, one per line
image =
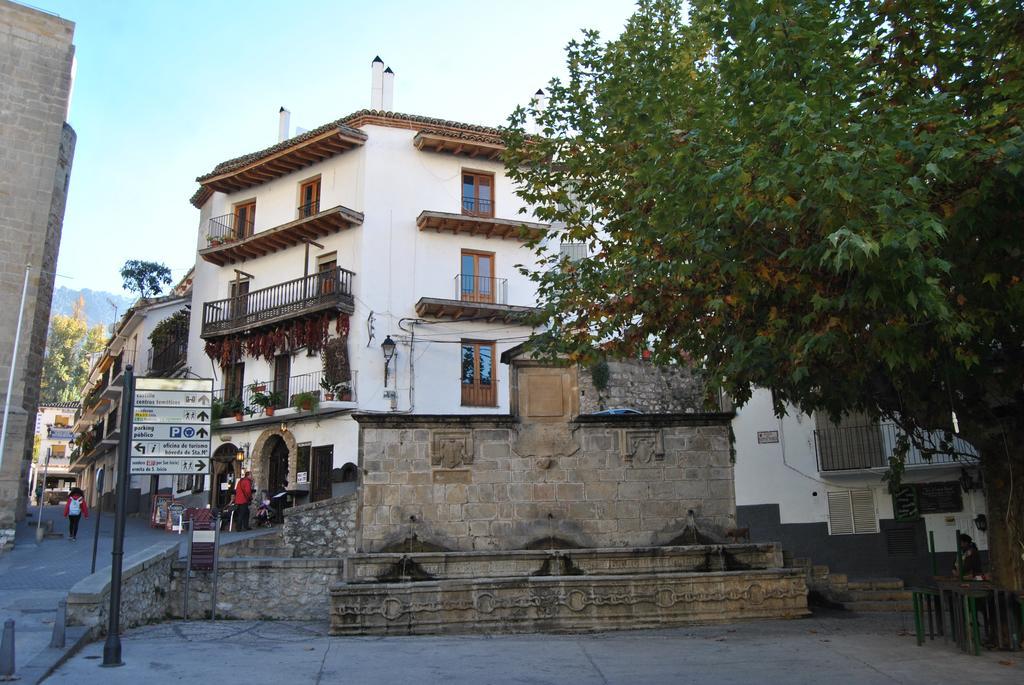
column 171, row 426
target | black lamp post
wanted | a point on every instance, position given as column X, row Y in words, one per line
column 388, row 348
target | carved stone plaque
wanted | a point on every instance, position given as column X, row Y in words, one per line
column 451, row 449
column 642, row 447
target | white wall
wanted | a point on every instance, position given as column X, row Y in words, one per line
column 786, row 473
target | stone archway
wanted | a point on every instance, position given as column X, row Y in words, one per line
column 261, row 453
column 225, row 468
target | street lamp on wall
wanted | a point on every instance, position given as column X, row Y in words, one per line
column 388, row 348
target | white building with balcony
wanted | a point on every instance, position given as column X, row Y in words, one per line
column 54, row 433
column 818, row 488
column 368, row 264
column 152, row 336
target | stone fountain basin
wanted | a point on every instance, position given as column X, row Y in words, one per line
column 566, row 590
column 422, row 566
column 573, row 603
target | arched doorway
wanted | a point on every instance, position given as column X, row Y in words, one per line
column 226, row 470
column 277, row 465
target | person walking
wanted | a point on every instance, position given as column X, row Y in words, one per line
column 74, row 509
column 243, row 497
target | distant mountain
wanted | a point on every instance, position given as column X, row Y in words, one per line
column 97, row 304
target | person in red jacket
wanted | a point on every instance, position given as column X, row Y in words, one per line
column 74, row 509
column 243, row 497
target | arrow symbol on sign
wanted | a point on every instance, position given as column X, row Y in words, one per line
column 202, row 416
column 202, row 433
column 200, row 466
column 203, row 399
column 140, row 448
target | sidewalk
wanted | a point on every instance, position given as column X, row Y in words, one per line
column 33, row 578
column 836, row 648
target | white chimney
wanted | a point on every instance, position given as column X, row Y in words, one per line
column 542, row 104
column 284, row 118
column 389, row 90
column 377, row 83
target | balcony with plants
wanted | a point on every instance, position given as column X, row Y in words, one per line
column 297, row 396
column 231, row 240
column 300, row 300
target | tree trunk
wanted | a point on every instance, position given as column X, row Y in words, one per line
column 1003, row 468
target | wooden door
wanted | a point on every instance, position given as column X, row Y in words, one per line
column 245, row 218
column 323, row 462
column 277, row 471
column 477, row 276
column 309, row 198
column 282, row 373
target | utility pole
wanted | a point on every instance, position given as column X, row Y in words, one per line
column 14, row 359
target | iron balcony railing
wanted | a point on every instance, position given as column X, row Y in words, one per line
column 228, row 227
column 287, row 391
column 476, row 206
column 279, row 302
column 309, row 209
column 869, row 447
column 171, row 354
column 472, row 288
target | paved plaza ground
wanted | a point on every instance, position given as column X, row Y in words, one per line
column 830, row 647
column 834, row 648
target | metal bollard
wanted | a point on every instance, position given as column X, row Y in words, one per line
column 7, row 650
column 59, row 622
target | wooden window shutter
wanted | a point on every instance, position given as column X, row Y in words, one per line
column 840, row 513
column 864, row 519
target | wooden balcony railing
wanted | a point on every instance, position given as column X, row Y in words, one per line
column 330, row 289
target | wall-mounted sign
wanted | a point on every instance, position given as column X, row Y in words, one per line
column 767, row 437
column 302, row 477
column 939, row 498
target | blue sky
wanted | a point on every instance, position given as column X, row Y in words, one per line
column 165, row 90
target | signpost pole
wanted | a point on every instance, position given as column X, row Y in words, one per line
column 99, row 516
column 188, row 568
column 216, row 553
column 112, row 647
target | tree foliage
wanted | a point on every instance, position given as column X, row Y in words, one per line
column 66, row 362
column 147, row 279
column 820, row 197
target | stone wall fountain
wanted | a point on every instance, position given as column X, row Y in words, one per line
column 545, row 520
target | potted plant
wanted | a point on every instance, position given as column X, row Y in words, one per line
column 305, row 401
column 344, row 390
column 267, row 401
column 215, row 241
column 329, row 389
column 234, row 407
column 216, row 410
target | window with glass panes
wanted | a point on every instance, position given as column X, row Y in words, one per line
column 477, row 194
column 479, row 387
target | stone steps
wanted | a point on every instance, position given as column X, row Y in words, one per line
column 878, row 594
column 266, row 546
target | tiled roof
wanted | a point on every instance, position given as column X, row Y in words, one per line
column 348, row 126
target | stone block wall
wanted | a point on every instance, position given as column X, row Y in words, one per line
column 323, row 529
column 488, row 482
column 643, row 386
column 36, row 149
column 145, row 588
column 259, row 589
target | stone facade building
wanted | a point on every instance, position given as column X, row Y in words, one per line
column 36, row 149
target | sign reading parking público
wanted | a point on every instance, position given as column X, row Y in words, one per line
column 171, row 426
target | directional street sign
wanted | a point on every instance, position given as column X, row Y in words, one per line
column 169, row 466
column 171, row 426
column 198, row 432
column 171, row 415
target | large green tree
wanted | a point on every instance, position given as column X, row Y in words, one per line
column 66, row 362
column 820, row 197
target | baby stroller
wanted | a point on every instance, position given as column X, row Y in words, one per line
column 263, row 515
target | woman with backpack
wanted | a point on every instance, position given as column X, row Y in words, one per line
column 74, row 510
